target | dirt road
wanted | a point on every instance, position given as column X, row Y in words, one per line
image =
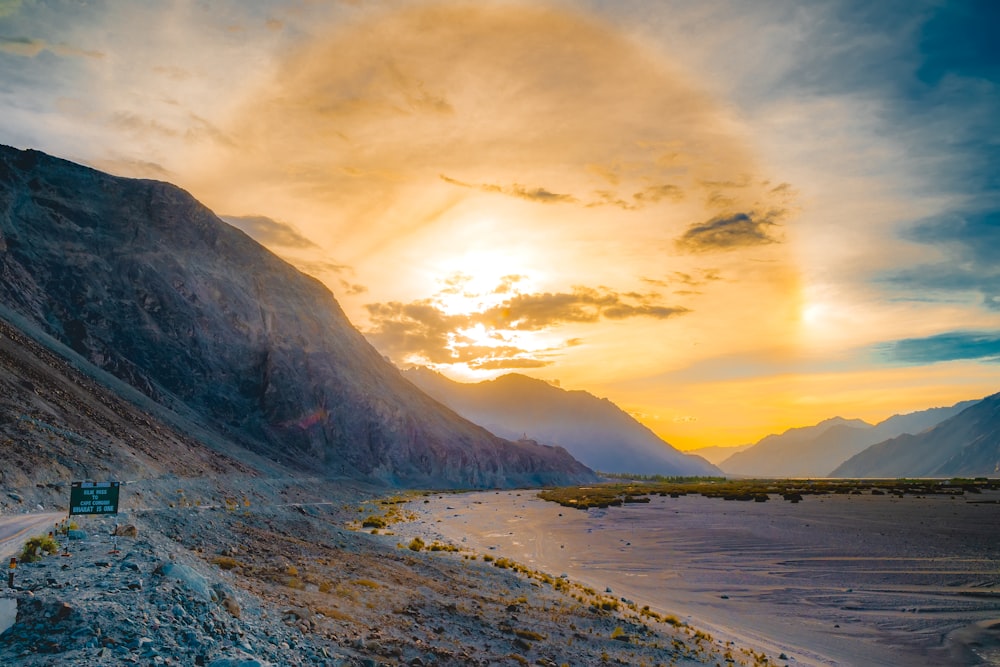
column 16, row 528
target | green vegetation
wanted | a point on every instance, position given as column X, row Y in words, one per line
column 36, row 546
column 615, row 494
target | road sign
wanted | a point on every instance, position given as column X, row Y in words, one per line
column 93, row 498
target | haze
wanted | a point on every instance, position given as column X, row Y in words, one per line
column 729, row 218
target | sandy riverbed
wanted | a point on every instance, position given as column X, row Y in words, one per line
column 833, row 580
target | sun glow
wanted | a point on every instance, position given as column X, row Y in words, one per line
column 481, row 279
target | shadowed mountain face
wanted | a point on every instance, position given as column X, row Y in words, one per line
column 142, row 281
column 965, row 445
column 594, row 430
column 814, row 451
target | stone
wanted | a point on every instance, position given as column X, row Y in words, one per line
column 187, row 577
column 128, row 530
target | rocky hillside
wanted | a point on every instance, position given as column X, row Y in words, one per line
column 814, row 451
column 141, row 281
column 59, row 424
column 592, row 429
column 966, row 445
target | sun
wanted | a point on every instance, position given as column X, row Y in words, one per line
column 480, row 279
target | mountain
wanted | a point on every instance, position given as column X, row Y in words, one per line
column 717, row 454
column 809, row 451
column 965, row 445
column 814, row 451
column 594, row 430
column 139, row 280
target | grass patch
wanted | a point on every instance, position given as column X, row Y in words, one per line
column 35, row 547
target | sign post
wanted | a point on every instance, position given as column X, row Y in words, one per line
column 10, row 576
column 93, row 498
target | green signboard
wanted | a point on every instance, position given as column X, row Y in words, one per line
column 93, row 498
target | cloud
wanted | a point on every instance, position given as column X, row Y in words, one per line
column 509, row 363
column 952, row 346
column 442, row 104
column 29, row 48
column 268, row 231
column 422, row 330
column 656, row 193
column 8, row 7
column 419, row 329
column 730, row 232
column 532, row 312
column 134, row 168
column 968, row 242
column 536, row 194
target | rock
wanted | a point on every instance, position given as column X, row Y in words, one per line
column 128, row 530
column 190, row 579
column 76, row 534
column 239, row 660
column 16, row 497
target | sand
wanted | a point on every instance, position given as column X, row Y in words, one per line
column 833, row 580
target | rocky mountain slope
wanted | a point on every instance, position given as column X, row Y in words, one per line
column 594, row 430
column 58, row 424
column 965, row 445
column 814, row 451
column 141, row 281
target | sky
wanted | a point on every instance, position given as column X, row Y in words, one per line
column 729, row 218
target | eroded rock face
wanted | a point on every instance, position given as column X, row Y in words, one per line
column 143, row 281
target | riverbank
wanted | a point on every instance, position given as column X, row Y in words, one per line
column 831, row 580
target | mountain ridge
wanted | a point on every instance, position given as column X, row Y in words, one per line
column 966, row 444
column 594, row 430
column 815, row 451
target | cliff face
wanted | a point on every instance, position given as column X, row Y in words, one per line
column 144, row 282
column 594, row 430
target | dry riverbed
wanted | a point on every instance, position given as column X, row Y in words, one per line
column 827, row 580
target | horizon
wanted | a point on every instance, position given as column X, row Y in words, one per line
column 729, row 220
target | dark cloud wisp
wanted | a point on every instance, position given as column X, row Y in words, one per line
column 730, row 232
column 951, row 346
column 968, row 242
column 535, row 194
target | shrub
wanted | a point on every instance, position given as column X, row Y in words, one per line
column 374, row 521
column 225, row 562
column 36, row 546
column 416, row 544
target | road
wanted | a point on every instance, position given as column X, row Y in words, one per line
column 15, row 529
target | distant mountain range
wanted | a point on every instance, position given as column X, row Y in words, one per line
column 815, row 451
column 964, row 445
column 717, row 454
column 149, row 295
column 594, row 430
